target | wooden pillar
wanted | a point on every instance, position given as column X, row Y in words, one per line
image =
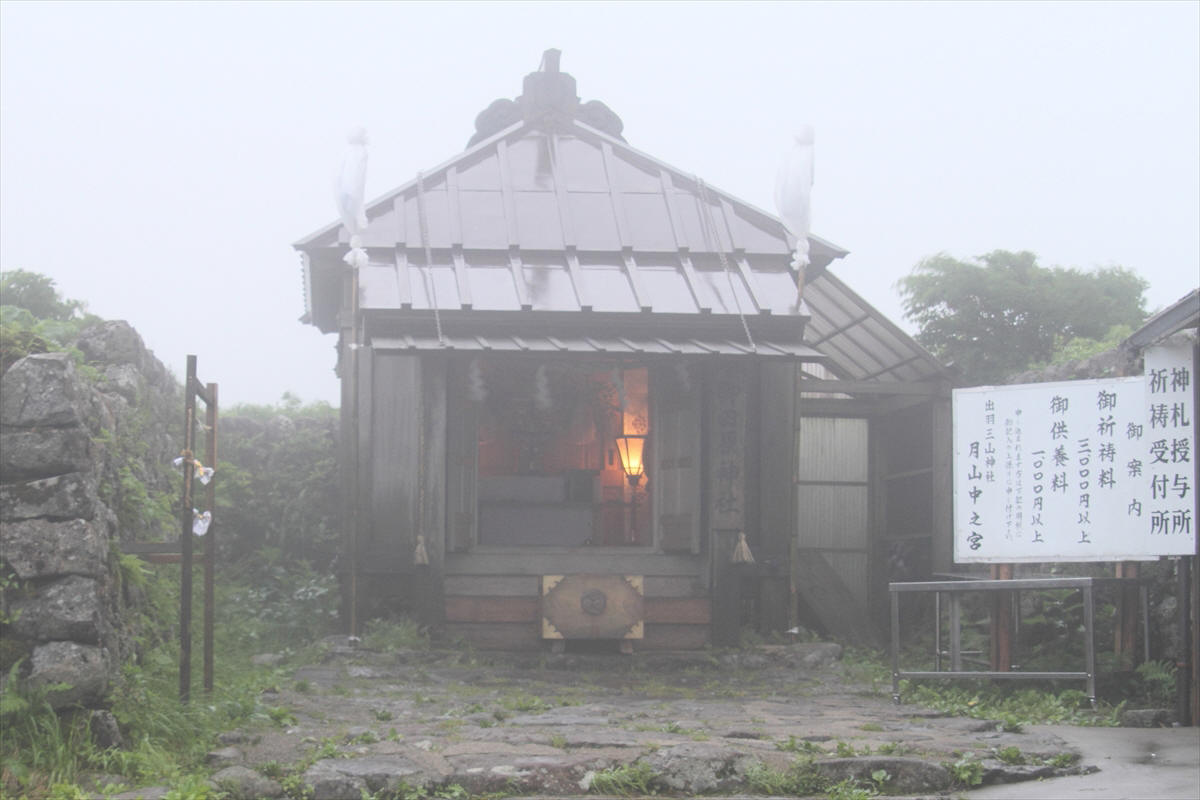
column 776, row 495
column 725, row 449
column 1125, row 645
column 210, row 543
column 431, row 514
column 942, row 544
column 1002, row 621
column 185, row 533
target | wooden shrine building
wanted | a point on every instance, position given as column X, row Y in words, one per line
column 573, row 376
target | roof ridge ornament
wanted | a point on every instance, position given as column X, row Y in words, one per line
column 548, row 100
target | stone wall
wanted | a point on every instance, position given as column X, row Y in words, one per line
column 85, row 456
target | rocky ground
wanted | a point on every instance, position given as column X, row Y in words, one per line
column 776, row 720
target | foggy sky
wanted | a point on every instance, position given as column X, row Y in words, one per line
column 158, row 160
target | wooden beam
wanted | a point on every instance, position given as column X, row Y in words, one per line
column 929, row 388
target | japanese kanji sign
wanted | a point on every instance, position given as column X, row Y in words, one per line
column 1094, row 470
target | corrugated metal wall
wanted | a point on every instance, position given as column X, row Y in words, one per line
column 832, row 497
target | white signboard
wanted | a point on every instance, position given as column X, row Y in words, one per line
column 1095, row 470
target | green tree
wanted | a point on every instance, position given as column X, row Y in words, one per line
column 1004, row 313
column 278, row 489
column 34, row 317
column 37, row 294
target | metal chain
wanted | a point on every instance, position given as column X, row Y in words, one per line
column 708, row 226
column 427, row 273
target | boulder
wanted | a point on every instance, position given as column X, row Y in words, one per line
column 347, row 779
column 70, row 496
column 85, row 669
column 39, row 548
column 697, row 767
column 112, row 342
column 906, row 775
column 243, row 783
column 106, row 733
column 42, row 390
column 224, row 757
column 123, row 380
column 27, row 454
column 67, row 608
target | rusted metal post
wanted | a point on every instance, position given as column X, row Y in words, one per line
column 1002, row 621
column 210, row 542
column 185, row 534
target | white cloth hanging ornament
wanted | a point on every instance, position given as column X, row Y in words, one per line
column 349, row 194
column 420, row 554
column 200, row 522
column 200, row 471
column 793, row 194
column 741, row 551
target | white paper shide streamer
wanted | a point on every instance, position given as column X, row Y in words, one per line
column 348, row 194
column 200, row 522
column 793, row 194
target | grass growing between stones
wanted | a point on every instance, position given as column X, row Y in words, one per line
column 1012, row 706
column 626, row 780
column 801, row 779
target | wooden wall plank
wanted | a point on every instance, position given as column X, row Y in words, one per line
column 674, row 637
column 462, row 459
column 497, row 635
column 432, row 487
column 688, row 610
column 665, row 586
column 493, row 585
column 675, row 586
column 676, row 453
column 567, row 562
column 491, row 609
column 393, row 430
column 776, row 490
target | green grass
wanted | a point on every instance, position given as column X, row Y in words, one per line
column 627, row 780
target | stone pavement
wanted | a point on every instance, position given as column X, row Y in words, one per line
column 1160, row 763
column 772, row 720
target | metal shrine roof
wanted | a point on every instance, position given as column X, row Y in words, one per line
column 547, row 216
